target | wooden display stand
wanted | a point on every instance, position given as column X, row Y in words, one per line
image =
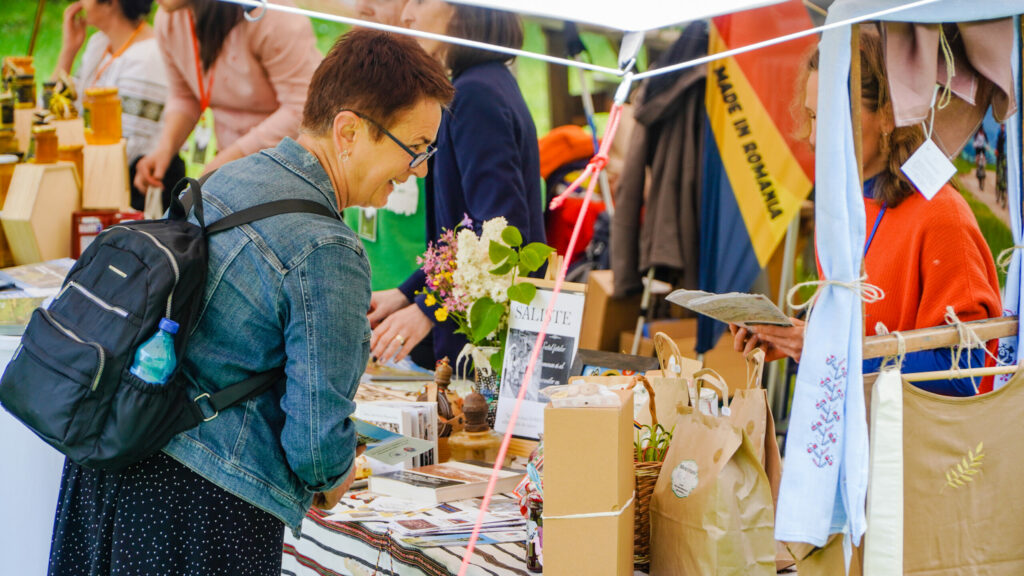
column 70, row 132
column 23, row 118
column 105, row 184
column 37, row 213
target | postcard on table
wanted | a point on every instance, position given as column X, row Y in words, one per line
column 387, row 446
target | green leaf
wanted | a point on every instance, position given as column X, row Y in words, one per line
column 529, row 261
column 484, row 317
column 522, row 292
column 499, row 252
column 512, row 237
column 534, row 254
column 497, row 359
column 502, row 269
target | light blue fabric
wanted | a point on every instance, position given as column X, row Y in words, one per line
column 825, row 481
column 291, row 290
column 926, row 12
column 1009, row 347
column 824, row 486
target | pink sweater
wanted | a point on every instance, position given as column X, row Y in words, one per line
column 260, row 77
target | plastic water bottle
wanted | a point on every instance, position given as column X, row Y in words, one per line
column 155, row 360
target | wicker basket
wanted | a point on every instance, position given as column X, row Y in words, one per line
column 645, row 477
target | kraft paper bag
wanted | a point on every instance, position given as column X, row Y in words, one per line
column 751, row 411
column 825, row 561
column 964, row 482
column 671, row 383
column 711, row 511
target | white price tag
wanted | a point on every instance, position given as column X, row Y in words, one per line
column 928, row 169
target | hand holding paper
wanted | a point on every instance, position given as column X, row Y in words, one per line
column 731, row 308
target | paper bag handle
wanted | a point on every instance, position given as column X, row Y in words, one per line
column 755, row 368
column 714, row 380
column 650, row 392
column 666, row 349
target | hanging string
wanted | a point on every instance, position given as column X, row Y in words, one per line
column 594, row 167
column 901, row 347
column 868, row 293
column 947, row 55
column 1006, row 256
column 969, row 339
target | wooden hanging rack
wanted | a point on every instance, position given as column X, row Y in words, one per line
column 938, row 337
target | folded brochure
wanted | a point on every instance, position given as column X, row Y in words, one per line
column 387, row 446
column 732, row 307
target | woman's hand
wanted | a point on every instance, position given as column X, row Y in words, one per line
column 777, row 341
column 399, row 333
column 384, row 303
column 72, row 37
column 329, row 499
column 149, row 171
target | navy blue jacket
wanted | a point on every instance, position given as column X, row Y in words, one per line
column 487, row 165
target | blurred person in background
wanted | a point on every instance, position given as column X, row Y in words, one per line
column 487, row 163
column 253, row 75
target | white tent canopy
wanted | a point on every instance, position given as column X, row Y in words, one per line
column 634, row 16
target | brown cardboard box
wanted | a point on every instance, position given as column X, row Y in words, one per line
column 605, row 317
column 588, row 468
column 722, row 358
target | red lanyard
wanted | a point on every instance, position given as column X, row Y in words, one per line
column 204, row 91
column 115, row 55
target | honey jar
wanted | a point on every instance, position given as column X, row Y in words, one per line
column 8, row 142
column 24, row 88
column 48, row 90
column 7, row 111
column 7, row 164
column 44, row 144
column 102, row 116
column 14, row 65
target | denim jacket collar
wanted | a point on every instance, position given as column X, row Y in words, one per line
column 302, row 162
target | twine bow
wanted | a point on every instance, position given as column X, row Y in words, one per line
column 1006, row 256
column 868, row 293
column 969, row 339
column 901, row 346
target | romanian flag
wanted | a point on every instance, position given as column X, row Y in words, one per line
column 756, row 170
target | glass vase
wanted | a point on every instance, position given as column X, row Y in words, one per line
column 486, row 381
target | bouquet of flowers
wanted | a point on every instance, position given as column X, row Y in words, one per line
column 471, row 280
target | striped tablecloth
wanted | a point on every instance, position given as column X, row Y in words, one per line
column 364, row 549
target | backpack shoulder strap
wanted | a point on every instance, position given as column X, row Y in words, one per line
column 225, row 398
column 261, row 211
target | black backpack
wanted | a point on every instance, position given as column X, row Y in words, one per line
column 69, row 380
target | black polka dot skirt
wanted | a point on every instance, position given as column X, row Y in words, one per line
column 158, row 517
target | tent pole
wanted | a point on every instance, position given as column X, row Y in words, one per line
column 645, row 304
column 775, row 369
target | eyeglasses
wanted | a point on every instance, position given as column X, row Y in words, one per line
column 417, row 158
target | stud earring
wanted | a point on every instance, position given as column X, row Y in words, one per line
column 343, row 156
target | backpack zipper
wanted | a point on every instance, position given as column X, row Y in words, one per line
column 96, row 299
column 174, row 263
column 73, row 336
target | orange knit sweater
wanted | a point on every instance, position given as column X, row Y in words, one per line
column 927, row 255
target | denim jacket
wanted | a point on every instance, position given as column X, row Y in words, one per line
column 291, row 290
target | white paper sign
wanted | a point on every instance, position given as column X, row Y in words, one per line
column 929, row 169
column 553, row 363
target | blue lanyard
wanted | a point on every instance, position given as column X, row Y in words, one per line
column 874, row 229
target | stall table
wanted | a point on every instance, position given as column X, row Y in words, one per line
column 362, row 549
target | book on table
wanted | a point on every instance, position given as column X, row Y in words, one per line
column 444, row 482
